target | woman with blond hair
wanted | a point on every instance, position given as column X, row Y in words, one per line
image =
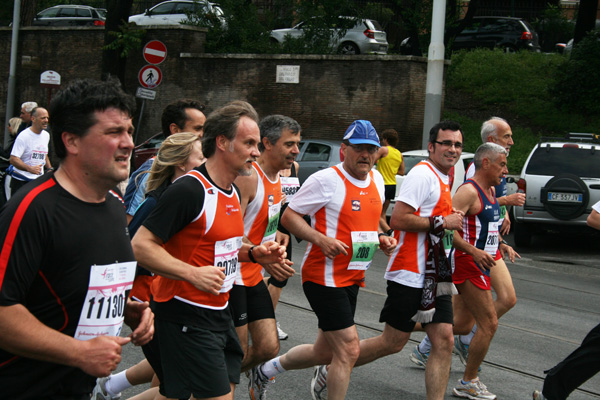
column 178, row 154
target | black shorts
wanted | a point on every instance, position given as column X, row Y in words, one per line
column 274, row 282
column 390, row 192
column 248, row 304
column 333, row 306
column 196, row 361
column 403, row 302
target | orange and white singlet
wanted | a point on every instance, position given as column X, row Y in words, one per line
column 260, row 223
column 347, row 209
column 214, row 237
column 426, row 189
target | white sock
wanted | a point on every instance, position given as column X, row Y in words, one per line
column 272, row 367
column 117, row 383
column 425, row 345
column 466, row 339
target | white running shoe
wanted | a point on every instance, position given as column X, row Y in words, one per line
column 282, row 335
column 473, row 390
column 318, row 384
column 100, row 392
column 257, row 387
column 537, row 395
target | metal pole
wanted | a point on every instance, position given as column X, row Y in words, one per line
column 435, row 70
column 10, row 95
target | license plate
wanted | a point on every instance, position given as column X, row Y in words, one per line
column 565, row 197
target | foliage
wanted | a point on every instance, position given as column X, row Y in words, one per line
column 577, row 86
column 126, row 39
column 521, row 85
column 553, row 27
column 239, row 30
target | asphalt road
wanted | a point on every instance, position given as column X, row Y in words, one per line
column 557, row 282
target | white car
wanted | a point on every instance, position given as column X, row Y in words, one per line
column 175, row 12
column 413, row 157
column 365, row 37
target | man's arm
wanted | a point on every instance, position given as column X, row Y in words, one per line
column 295, row 224
column 48, row 166
column 24, row 335
column 18, row 163
column 515, row 199
column 594, row 219
column 149, row 252
column 401, row 168
column 404, row 219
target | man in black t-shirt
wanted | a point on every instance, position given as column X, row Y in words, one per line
column 66, row 263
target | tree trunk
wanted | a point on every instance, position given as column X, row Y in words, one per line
column 586, row 18
column 112, row 63
column 28, row 12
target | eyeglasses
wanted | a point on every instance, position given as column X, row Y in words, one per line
column 359, row 148
column 449, row 143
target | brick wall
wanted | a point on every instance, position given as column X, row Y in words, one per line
column 332, row 90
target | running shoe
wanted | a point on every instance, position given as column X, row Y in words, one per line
column 258, row 384
column 473, row 390
column 282, row 335
column 537, row 395
column 463, row 351
column 100, row 392
column 419, row 358
column 318, row 384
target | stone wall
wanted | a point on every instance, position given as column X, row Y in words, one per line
column 332, row 90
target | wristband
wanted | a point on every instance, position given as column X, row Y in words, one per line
column 504, row 242
column 250, row 256
column 382, row 234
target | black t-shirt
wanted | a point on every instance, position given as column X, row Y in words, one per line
column 51, row 239
column 180, row 204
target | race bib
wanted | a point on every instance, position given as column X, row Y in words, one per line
column 289, row 187
column 103, row 310
column 364, row 245
column 448, row 241
column 491, row 243
column 226, row 255
column 273, row 223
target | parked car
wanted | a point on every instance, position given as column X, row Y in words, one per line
column 146, row 150
column 69, row 15
column 317, row 154
column 509, row 34
column 175, row 12
column 365, row 37
column 561, row 181
column 413, row 157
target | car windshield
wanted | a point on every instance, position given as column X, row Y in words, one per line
column 552, row 161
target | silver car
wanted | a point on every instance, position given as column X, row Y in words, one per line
column 175, row 12
column 317, row 154
column 365, row 37
column 561, row 182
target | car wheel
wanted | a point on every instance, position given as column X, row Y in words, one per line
column 565, row 183
column 522, row 234
column 348, row 48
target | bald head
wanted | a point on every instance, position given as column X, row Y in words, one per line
column 497, row 130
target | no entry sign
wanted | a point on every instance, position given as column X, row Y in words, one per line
column 155, row 52
column 150, row 76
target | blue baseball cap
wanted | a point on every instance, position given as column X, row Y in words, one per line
column 362, row 132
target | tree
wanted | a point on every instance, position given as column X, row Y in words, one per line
column 113, row 63
column 586, row 19
column 28, row 12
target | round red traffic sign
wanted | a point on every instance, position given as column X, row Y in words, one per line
column 155, row 52
column 150, row 76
